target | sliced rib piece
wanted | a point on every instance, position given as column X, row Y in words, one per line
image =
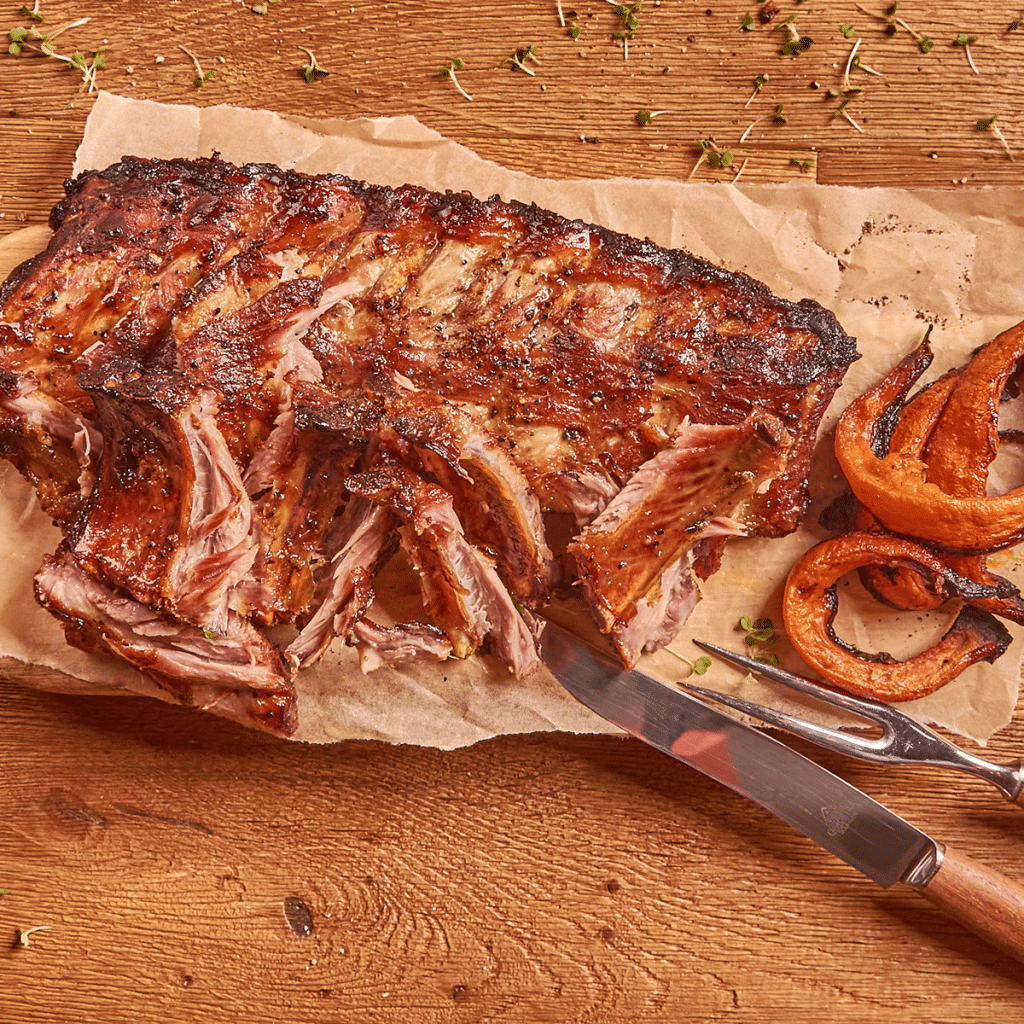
column 627, row 558
column 168, row 520
column 405, row 643
column 236, row 674
column 296, row 482
column 360, row 544
column 492, row 497
column 462, row 592
column 54, row 448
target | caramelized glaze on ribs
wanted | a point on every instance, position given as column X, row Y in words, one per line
column 239, row 389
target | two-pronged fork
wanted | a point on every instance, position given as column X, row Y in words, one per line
column 902, row 740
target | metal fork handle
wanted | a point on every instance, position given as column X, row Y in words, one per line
column 1008, row 778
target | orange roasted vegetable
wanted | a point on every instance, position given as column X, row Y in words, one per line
column 810, row 604
column 898, row 586
column 897, row 487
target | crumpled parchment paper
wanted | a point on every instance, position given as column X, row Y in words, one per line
column 886, row 262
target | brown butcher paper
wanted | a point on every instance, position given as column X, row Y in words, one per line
column 888, row 263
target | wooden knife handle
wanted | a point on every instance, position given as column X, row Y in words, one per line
column 981, row 899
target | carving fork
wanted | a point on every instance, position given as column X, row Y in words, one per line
column 902, row 740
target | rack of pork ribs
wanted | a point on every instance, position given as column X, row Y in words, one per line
column 241, row 391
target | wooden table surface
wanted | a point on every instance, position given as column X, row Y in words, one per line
column 184, row 869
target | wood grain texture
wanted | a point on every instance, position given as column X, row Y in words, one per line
column 527, row 879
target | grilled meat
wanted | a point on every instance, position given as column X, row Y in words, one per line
column 240, row 390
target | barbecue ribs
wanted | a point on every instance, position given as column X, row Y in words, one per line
column 242, row 391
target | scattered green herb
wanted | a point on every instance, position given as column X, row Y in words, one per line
column 760, row 636
column 986, row 124
column 313, row 68
column 841, row 111
column 644, row 117
column 456, row 64
column 796, row 43
column 748, row 24
column 24, row 933
column 712, row 155
column 569, row 20
column 202, row 77
column 759, row 83
column 847, row 30
column 629, row 16
column 779, row 116
column 22, row 39
column 966, row 41
column 1014, row 25
column 520, row 56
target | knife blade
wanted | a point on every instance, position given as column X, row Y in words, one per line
column 825, row 808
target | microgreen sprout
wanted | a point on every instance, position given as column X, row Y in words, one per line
column 804, row 165
column 853, row 61
column 520, row 56
column 847, row 30
column 748, row 23
column 966, row 41
column 202, row 77
column 456, row 64
column 796, row 43
column 760, row 636
column 697, row 667
column 779, row 116
column 1014, row 25
column 569, row 20
column 644, row 117
column 894, row 24
column 24, row 933
column 32, row 12
column 985, row 124
column 629, row 16
column 841, row 111
column 313, row 68
column 713, row 155
column 26, row 38
column 759, row 83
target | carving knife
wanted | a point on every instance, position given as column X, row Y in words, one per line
column 825, row 808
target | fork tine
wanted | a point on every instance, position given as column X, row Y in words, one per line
column 825, row 736
column 874, row 711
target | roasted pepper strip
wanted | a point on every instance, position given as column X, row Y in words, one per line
column 810, row 604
